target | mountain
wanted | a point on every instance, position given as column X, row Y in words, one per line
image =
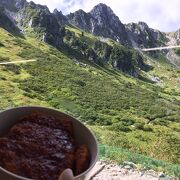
column 101, row 21
column 12, row 5
column 62, row 20
column 129, row 98
column 125, row 112
column 142, row 36
column 31, row 18
column 7, row 23
column 27, row 16
column 81, row 19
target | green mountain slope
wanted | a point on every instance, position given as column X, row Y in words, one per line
column 123, row 111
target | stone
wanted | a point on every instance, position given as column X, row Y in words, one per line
column 161, row 175
column 127, row 167
column 130, row 164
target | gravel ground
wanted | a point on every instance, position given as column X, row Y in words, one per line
column 128, row 171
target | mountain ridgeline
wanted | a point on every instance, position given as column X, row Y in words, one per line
column 101, row 21
column 21, row 17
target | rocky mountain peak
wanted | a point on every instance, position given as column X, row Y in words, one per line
column 143, row 25
column 60, row 17
column 102, row 9
column 107, row 24
column 81, row 19
column 79, row 13
column 105, row 16
column 57, row 12
column 39, row 7
column 100, row 21
column 137, row 27
column 141, row 35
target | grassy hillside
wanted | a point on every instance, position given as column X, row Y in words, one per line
column 123, row 111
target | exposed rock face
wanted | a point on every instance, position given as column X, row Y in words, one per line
column 101, row 21
column 43, row 22
column 143, row 36
column 38, row 17
column 19, row 4
column 81, row 19
column 107, row 24
column 174, row 37
column 178, row 36
column 60, row 17
column 7, row 24
column 13, row 5
column 8, row 4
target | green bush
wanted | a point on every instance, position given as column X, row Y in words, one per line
column 4, row 59
column 1, row 45
column 119, row 127
column 13, row 68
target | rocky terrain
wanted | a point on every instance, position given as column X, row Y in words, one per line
column 142, row 36
column 22, row 15
column 128, row 171
column 100, row 21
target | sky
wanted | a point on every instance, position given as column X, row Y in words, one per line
column 163, row 15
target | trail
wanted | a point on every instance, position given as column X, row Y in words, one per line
column 158, row 48
column 171, row 56
column 17, row 62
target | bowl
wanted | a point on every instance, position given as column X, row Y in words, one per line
column 82, row 134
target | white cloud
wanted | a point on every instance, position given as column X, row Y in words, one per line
column 159, row 14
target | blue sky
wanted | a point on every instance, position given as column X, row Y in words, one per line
column 159, row 14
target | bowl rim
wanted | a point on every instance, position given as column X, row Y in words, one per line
column 56, row 110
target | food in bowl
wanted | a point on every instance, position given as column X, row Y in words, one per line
column 41, row 147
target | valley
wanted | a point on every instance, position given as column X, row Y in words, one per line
column 130, row 99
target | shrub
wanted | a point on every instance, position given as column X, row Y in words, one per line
column 1, row 45
column 139, row 126
column 14, row 68
column 119, row 127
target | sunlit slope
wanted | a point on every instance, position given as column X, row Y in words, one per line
column 123, row 111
